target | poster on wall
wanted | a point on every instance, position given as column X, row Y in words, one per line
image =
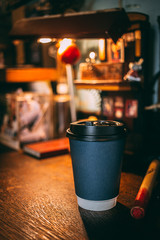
column 131, row 108
column 115, row 51
column 108, row 106
column 119, row 107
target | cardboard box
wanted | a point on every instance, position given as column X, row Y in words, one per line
column 112, row 72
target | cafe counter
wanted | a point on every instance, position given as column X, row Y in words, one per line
column 37, row 201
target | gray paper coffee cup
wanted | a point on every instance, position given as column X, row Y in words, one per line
column 96, row 151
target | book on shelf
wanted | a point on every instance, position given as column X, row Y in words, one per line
column 47, row 148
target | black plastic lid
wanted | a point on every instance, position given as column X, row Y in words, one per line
column 100, row 130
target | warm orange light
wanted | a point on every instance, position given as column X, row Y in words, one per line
column 16, row 42
column 44, row 40
column 92, row 56
column 102, row 54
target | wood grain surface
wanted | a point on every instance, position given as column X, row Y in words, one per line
column 37, row 201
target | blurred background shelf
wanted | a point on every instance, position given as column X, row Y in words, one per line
column 105, row 85
column 13, row 75
column 93, row 24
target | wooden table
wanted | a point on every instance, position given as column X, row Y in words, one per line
column 37, row 201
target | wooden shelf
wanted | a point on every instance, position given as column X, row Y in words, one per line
column 105, row 85
column 110, row 23
column 30, row 74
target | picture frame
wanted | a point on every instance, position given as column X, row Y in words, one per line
column 131, row 108
column 108, row 106
column 118, row 107
column 115, row 51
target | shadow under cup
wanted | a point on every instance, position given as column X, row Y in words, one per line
column 96, row 151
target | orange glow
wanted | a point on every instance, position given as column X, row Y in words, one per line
column 44, row 40
column 102, row 54
column 92, row 55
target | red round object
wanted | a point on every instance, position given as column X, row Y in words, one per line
column 71, row 55
column 137, row 212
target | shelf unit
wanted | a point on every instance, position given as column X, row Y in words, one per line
column 110, row 23
column 94, row 24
